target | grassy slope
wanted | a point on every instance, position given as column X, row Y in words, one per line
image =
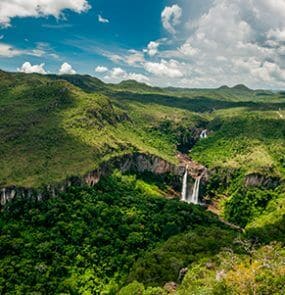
column 251, row 139
column 50, row 129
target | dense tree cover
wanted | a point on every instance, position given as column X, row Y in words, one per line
column 246, row 204
column 260, row 272
column 86, row 240
column 219, row 261
column 163, row 264
column 270, row 224
column 95, row 240
column 183, row 134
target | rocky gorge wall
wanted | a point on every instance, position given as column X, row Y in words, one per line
column 137, row 163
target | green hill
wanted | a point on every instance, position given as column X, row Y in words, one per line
column 125, row 234
column 52, row 129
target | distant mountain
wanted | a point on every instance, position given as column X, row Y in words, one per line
column 241, row 87
column 85, row 82
column 224, row 87
column 135, row 85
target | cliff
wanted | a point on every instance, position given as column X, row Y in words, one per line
column 137, row 163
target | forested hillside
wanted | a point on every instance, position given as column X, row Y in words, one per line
column 130, row 233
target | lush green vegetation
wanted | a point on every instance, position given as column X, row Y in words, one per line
column 122, row 236
column 259, row 272
column 86, row 240
column 164, row 263
column 52, row 127
column 220, row 261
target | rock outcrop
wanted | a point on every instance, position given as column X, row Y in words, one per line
column 194, row 169
column 262, row 181
column 137, row 163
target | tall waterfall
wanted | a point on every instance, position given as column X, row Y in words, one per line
column 195, row 194
column 185, row 197
column 184, row 187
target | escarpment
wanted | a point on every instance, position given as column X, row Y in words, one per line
column 137, row 163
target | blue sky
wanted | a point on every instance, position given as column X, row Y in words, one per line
column 187, row 43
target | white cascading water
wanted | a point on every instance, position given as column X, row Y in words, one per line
column 195, row 194
column 184, row 187
column 203, row 134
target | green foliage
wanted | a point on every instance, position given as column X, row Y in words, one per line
column 270, row 225
column 136, row 288
column 86, row 240
column 251, row 140
column 52, row 127
column 244, row 205
column 262, row 273
column 163, row 264
column 94, row 240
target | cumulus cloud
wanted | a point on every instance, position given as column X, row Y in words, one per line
column 38, row 8
column 170, row 17
column 103, row 20
column 28, row 68
column 66, row 69
column 171, row 69
column 101, row 69
column 133, row 58
column 226, row 42
column 118, row 74
column 152, row 48
column 230, row 42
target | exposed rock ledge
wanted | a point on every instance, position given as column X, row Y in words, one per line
column 259, row 180
column 137, row 162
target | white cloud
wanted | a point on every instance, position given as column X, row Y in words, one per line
column 115, row 58
column 66, row 69
column 8, row 50
column 171, row 69
column 134, row 58
column 170, row 17
column 101, row 69
column 38, row 8
column 103, row 20
column 42, row 49
column 229, row 42
column 28, row 68
column 131, row 57
column 118, row 74
column 187, row 50
column 152, row 48
column 139, row 78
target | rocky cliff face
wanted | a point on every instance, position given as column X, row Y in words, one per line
column 194, row 169
column 259, row 180
column 137, row 163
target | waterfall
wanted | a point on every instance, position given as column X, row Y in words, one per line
column 184, row 187
column 3, row 197
column 194, row 198
column 204, row 134
column 188, row 197
column 195, row 194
